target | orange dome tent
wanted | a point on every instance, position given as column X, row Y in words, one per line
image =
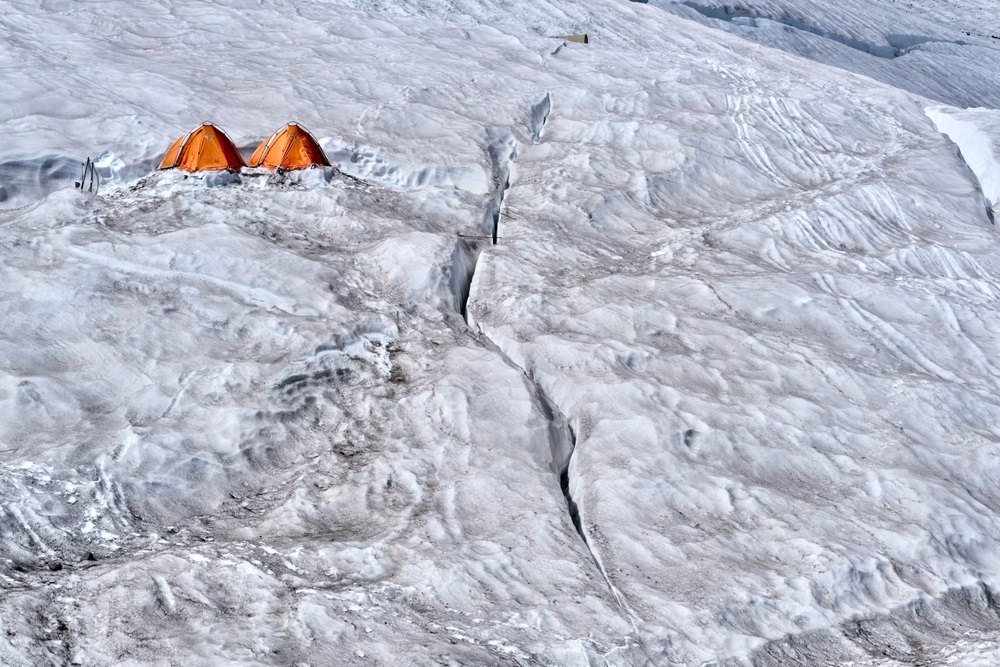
column 290, row 148
column 205, row 148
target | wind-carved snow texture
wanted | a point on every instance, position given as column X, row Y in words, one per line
column 306, row 448
column 245, row 425
column 950, row 50
column 365, row 163
column 898, row 45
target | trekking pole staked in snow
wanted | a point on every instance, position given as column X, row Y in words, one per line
column 89, row 169
column 83, row 176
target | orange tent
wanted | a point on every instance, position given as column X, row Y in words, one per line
column 205, row 148
column 290, row 148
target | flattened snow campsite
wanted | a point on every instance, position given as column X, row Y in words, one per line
column 418, row 332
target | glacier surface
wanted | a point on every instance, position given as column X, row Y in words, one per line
column 669, row 348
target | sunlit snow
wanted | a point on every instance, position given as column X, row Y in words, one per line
column 668, row 348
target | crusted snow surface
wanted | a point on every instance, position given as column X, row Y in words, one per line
column 666, row 349
column 942, row 49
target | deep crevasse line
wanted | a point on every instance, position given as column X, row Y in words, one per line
column 562, row 443
column 502, row 153
column 569, row 479
column 466, row 262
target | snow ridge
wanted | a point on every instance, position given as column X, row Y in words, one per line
column 973, row 131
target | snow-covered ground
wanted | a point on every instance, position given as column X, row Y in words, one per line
column 943, row 49
column 724, row 390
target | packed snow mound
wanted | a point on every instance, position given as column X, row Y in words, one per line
column 664, row 349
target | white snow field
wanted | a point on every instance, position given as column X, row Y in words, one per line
column 948, row 50
column 724, row 391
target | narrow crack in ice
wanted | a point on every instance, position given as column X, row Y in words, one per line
column 502, row 153
column 562, row 437
column 562, row 444
column 539, row 116
column 463, row 267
